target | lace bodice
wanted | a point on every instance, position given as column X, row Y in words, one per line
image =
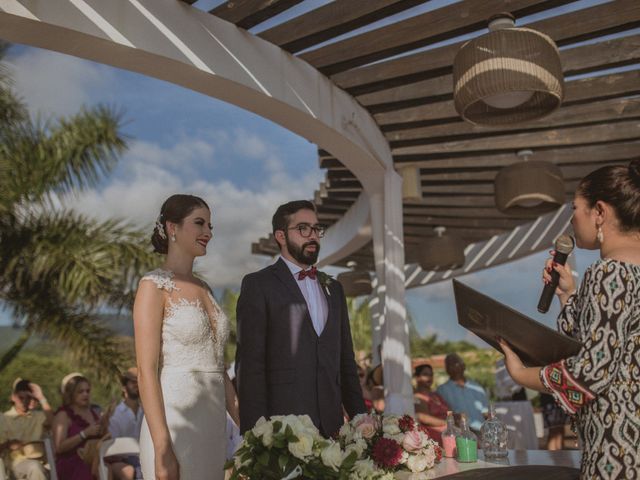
column 189, row 342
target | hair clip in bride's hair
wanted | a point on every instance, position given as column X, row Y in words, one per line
column 160, row 228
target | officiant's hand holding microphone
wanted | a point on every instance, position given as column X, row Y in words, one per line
column 557, row 276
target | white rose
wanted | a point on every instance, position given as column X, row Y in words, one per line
column 263, row 430
column 364, row 468
column 332, row 456
column 357, row 447
column 302, row 448
column 430, row 457
column 390, row 426
column 417, row 463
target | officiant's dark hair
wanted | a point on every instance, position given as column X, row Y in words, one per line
column 281, row 218
column 174, row 209
column 619, row 186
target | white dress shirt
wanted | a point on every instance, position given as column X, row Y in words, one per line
column 124, row 422
column 314, row 296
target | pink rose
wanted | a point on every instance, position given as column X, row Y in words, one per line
column 412, row 441
column 367, row 426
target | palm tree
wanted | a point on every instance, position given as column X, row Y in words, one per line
column 57, row 268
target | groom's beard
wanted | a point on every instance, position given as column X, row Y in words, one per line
column 299, row 254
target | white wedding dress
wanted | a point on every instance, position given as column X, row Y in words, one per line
column 192, row 380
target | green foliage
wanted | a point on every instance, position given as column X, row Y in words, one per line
column 46, row 364
column 360, row 321
column 228, row 305
column 58, row 267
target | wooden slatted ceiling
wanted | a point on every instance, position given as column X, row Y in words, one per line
column 426, row 29
column 616, row 16
column 249, row 13
column 331, row 20
column 394, row 71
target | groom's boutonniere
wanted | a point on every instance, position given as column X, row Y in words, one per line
column 325, row 279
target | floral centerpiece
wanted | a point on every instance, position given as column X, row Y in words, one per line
column 289, row 447
column 391, row 442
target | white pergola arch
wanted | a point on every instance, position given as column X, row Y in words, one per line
column 169, row 40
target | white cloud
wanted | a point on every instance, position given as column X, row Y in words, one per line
column 240, row 216
column 56, row 84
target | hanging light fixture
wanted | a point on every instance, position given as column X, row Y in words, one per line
column 355, row 283
column 411, row 184
column 529, row 188
column 441, row 252
column 508, row 75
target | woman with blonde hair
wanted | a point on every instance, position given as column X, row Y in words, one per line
column 75, row 424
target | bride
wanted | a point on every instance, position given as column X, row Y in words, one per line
column 180, row 333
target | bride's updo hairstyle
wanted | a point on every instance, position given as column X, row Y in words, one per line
column 174, row 209
column 619, row 186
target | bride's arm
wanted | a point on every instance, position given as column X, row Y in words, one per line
column 147, row 320
column 231, row 399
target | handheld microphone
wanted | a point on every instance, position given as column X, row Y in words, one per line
column 564, row 246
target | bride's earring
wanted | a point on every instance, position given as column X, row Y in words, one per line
column 600, row 235
column 173, row 237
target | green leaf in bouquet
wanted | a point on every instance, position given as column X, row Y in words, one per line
column 263, row 458
column 282, row 462
column 349, row 461
column 277, row 425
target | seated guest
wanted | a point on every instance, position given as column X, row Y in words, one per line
column 75, row 425
column 463, row 395
column 366, row 392
column 21, row 426
column 431, row 409
column 126, row 421
column 506, row 388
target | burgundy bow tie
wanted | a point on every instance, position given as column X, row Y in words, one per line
column 311, row 273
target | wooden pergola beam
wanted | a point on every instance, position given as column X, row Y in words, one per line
column 249, row 13
column 590, row 134
column 611, row 110
column 331, row 20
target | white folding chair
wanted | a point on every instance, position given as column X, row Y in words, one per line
column 51, row 458
column 118, row 446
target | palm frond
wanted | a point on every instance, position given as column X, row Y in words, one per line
column 61, row 157
column 85, row 261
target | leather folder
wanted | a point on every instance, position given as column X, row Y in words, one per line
column 537, row 345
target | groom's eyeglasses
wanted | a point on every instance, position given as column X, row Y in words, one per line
column 305, row 229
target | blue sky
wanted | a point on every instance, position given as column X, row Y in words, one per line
column 242, row 164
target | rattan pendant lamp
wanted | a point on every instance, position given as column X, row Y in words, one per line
column 507, row 76
column 529, row 188
column 441, row 252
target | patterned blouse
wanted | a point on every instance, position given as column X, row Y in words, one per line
column 601, row 384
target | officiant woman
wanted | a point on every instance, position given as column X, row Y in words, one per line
column 599, row 386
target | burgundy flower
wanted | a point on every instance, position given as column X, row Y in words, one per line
column 406, row 423
column 424, row 429
column 387, row 453
column 438, row 451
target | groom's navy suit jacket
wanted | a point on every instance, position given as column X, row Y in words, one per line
column 282, row 365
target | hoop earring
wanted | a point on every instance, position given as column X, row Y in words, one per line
column 599, row 234
column 173, row 238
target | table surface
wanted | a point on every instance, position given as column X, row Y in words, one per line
column 449, row 466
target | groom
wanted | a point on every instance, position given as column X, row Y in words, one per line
column 295, row 354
